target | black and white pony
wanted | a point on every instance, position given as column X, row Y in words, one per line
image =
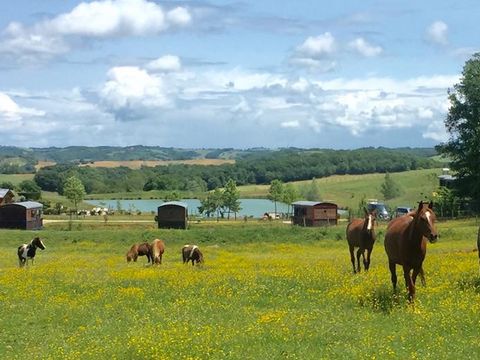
column 192, row 253
column 27, row 251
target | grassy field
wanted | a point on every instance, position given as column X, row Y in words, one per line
column 15, row 178
column 267, row 291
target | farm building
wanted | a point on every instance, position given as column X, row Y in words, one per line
column 22, row 215
column 6, row 196
column 312, row 213
column 173, row 214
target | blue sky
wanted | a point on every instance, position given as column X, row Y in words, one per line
column 241, row 74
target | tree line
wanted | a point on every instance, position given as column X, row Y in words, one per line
column 255, row 168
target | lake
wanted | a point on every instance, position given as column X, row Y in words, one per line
column 250, row 207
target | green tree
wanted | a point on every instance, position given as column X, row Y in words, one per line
column 463, row 125
column 311, row 191
column 390, row 188
column 29, row 190
column 74, row 190
column 231, row 198
column 290, row 194
column 7, row 185
column 275, row 192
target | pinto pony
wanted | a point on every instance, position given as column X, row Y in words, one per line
column 158, row 248
column 143, row 249
column 406, row 244
column 27, row 252
column 361, row 235
column 192, row 253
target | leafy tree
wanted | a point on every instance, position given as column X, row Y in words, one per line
column 231, row 197
column 290, row 194
column 74, row 190
column 275, row 192
column 7, row 185
column 390, row 188
column 30, row 190
column 311, row 191
column 463, row 124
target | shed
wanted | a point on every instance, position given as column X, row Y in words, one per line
column 173, row 214
column 6, row 196
column 312, row 213
column 21, row 215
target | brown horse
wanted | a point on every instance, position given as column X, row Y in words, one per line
column 192, row 253
column 406, row 244
column 158, row 248
column 361, row 234
column 143, row 249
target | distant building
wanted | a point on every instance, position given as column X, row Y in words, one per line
column 446, row 179
column 311, row 213
column 6, row 196
column 173, row 214
column 22, row 215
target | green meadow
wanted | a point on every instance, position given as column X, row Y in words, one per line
column 267, row 290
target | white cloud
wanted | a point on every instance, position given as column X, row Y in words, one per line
column 364, row 48
column 165, row 63
column 318, row 46
column 290, row 124
column 96, row 19
column 436, row 131
column 11, row 111
column 437, row 33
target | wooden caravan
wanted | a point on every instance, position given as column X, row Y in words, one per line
column 312, row 213
column 6, row 196
column 22, row 215
column 173, row 214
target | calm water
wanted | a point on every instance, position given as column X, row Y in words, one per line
column 250, row 207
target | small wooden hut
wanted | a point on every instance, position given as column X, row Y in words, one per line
column 21, row 215
column 6, row 196
column 173, row 214
column 312, row 213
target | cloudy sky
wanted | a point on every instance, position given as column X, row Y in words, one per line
column 270, row 73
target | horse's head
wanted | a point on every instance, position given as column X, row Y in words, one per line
column 425, row 220
column 370, row 220
column 38, row 243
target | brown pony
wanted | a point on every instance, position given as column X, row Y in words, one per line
column 361, row 234
column 158, row 248
column 406, row 244
column 137, row 250
column 192, row 253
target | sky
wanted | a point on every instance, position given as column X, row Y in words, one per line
column 231, row 74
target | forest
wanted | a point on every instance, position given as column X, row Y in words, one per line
column 255, row 167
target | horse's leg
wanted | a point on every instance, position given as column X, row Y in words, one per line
column 416, row 272
column 360, row 252
column 366, row 263
column 393, row 273
column 352, row 257
column 409, row 283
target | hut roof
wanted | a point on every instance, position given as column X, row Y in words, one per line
column 177, row 203
column 4, row 192
column 29, row 204
column 306, row 203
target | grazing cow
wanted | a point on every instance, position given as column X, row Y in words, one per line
column 27, row 251
column 137, row 250
column 192, row 253
column 158, row 248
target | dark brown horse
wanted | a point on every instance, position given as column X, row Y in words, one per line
column 192, row 253
column 361, row 235
column 406, row 244
column 158, row 248
column 27, row 252
column 143, row 249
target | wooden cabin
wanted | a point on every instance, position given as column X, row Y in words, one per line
column 312, row 213
column 173, row 215
column 6, row 196
column 21, row 215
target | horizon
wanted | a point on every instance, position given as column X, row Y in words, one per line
column 224, row 74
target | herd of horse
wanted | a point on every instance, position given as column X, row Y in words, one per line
column 154, row 252
column 405, row 244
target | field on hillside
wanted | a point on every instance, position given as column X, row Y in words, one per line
column 15, row 178
column 137, row 164
column 267, row 290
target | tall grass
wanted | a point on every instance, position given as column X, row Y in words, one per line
column 266, row 291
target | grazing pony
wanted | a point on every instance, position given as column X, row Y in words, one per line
column 137, row 250
column 192, row 253
column 406, row 244
column 27, row 251
column 158, row 248
column 361, row 234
